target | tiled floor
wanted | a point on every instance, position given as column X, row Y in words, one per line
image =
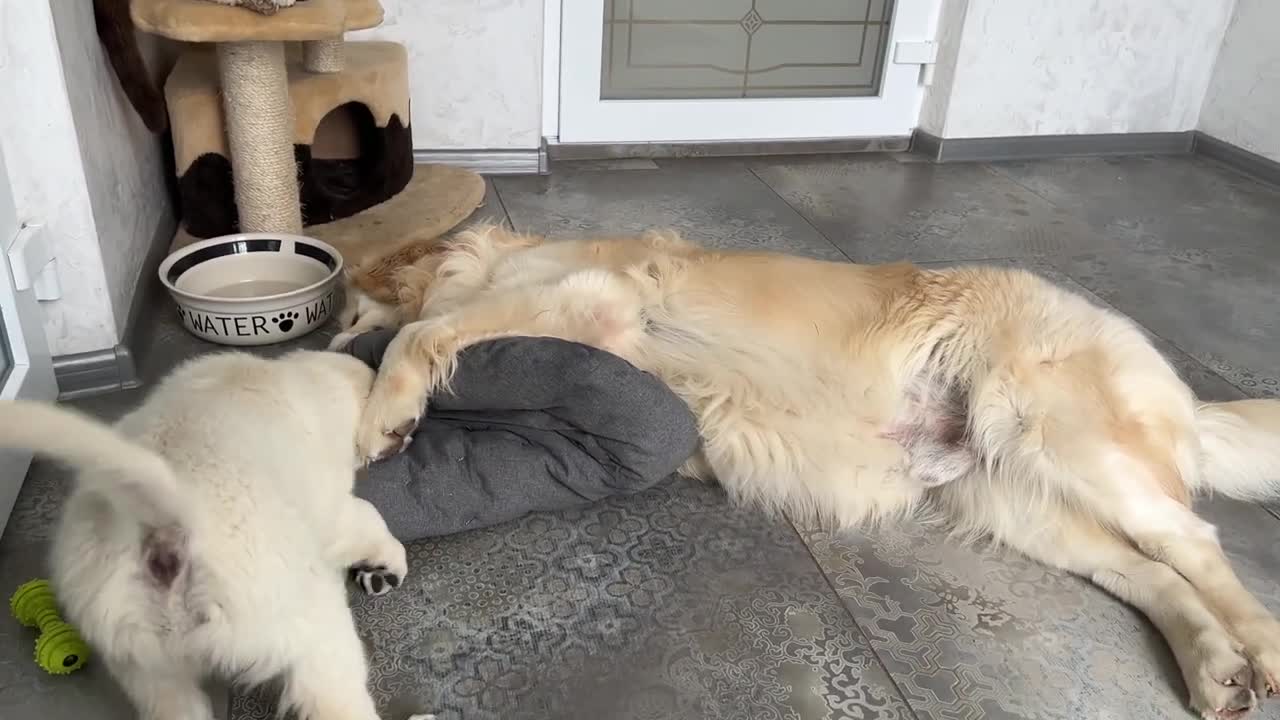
column 673, row 605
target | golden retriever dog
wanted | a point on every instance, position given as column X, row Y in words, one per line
column 847, row 394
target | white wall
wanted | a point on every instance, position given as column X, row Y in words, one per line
column 48, row 181
column 81, row 163
column 1243, row 103
column 1095, row 66
column 475, row 70
column 123, row 162
column 937, row 96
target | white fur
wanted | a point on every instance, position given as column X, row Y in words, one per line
column 237, row 471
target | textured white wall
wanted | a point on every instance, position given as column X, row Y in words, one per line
column 123, row 163
column 43, row 158
column 933, row 109
column 1243, row 104
column 81, row 163
column 475, row 70
column 1095, row 66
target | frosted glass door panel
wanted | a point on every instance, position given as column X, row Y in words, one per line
column 667, row 49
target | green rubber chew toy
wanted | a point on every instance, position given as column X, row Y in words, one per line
column 59, row 650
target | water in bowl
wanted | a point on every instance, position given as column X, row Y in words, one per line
column 255, row 288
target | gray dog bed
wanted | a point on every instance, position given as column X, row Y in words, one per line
column 530, row 424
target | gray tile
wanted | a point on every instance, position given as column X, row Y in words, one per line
column 969, row 632
column 26, row 691
column 490, row 211
column 717, row 203
column 877, row 209
column 668, row 604
column 1218, row 305
column 1159, row 203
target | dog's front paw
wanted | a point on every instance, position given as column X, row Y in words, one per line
column 342, row 339
column 389, row 422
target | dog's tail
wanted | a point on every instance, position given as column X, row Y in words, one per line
column 1240, row 448
column 138, row 480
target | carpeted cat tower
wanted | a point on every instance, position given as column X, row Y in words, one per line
column 279, row 123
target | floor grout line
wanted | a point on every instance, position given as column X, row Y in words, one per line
column 835, row 592
column 502, row 204
column 752, row 171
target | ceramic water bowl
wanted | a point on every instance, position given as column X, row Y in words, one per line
column 253, row 288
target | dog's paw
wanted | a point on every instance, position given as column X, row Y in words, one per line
column 1220, row 680
column 341, row 340
column 388, row 424
column 375, row 579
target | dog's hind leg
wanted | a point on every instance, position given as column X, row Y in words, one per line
column 1217, row 676
column 162, row 693
column 1172, row 533
column 593, row 307
column 365, row 545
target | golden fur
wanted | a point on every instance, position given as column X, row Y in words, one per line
column 847, row 394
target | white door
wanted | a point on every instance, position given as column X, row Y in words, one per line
column 26, row 370
column 710, row 70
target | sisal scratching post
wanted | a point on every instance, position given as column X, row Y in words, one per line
column 279, row 124
column 255, row 97
column 323, row 56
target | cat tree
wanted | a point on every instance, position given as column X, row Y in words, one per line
column 279, row 123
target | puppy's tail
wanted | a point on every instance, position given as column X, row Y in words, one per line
column 138, row 480
column 1240, row 448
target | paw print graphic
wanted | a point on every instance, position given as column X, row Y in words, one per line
column 285, row 320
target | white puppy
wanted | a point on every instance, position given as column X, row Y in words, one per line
column 209, row 532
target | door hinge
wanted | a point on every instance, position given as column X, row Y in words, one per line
column 923, row 53
column 33, row 264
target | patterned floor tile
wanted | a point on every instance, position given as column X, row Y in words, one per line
column 666, row 605
column 971, row 633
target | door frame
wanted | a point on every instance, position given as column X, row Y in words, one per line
column 31, row 377
column 574, row 113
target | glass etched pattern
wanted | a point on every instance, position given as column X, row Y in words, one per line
column 686, row 49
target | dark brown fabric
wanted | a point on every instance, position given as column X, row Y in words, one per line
column 118, row 38
column 329, row 189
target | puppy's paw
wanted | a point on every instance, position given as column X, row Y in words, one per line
column 375, row 579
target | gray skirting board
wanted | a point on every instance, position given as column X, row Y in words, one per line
column 1249, row 163
column 733, row 148
column 946, row 150
column 1040, row 147
column 103, row 371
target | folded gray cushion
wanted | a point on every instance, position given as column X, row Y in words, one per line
column 529, row 424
